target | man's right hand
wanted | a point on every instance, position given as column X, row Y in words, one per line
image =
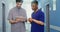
column 30, row 19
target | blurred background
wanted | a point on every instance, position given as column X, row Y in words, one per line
column 51, row 8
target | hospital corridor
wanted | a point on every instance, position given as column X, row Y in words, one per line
column 51, row 9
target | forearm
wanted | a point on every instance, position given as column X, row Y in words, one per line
column 12, row 21
column 38, row 22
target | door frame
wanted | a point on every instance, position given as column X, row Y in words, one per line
column 3, row 18
column 47, row 18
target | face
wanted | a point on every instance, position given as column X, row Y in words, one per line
column 18, row 4
column 34, row 6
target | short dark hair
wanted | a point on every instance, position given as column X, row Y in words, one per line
column 36, row 2
column 19, row 1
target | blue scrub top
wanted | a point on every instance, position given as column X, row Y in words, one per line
column 39, row 15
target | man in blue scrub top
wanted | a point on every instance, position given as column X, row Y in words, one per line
column 37, row 20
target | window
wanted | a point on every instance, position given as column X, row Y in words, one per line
column 54, row 5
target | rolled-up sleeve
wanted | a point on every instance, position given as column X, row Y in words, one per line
column 10, row 16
